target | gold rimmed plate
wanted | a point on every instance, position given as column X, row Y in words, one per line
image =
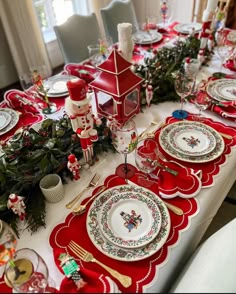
column 166, row 146
column 120, row 253
column 130, row 220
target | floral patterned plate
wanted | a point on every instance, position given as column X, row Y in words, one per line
column 130, row 220
column 5, row 118
column 14, row 120
column 116, row 252
column 187, row 28
column 193, row 140
column 166, row 146
column 222, row 89
column 145, row 38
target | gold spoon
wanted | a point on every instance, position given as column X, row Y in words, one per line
column 82, row 208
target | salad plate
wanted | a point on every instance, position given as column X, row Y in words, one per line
column 193, row 140
column 13, row 121
column 222, row 89
column 5, row 118
column 231, row 36
column 145, row 38
column 121, row 253
column 56, row 85
column 130, row 221
column 187, row 28
column 166, row 146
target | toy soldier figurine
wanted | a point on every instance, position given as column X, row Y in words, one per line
column 74, row 166
column 149, row 95
column 17, row 205
column 79, row 109
column 71, row 270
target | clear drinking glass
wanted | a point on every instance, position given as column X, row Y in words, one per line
column 184, row 85
column 146, row 159
column 27, row 272
column 124, row 139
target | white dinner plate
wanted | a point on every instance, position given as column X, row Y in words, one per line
column 193, row 140
column 145, row 38
column 187, row 28
column 5, row 118
column 231, row 36
column 222, row 89
column 14, row 120
column 56, row 85
column 116, row 252
column 130, row 221
column 215, row 153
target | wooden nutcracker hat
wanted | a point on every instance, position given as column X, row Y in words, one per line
column 77, row 92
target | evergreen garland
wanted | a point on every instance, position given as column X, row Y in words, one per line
column 31, row 154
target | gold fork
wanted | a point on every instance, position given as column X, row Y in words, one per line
column 93, row 183
column 88, row 257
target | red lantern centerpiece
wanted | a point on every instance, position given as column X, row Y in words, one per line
column 117, row 89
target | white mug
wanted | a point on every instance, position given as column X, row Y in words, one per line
column 52, row 187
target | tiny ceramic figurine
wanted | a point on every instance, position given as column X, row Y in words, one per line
column 164, row 10
column 79, row 109
column 74, row 166
column 17, row 205
column 71, row 270
column 149, row 94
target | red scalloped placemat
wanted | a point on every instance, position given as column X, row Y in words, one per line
column 141, row 272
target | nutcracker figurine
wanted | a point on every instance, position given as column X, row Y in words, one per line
column 79, row 109
column 149, row 94
column 74, row 166
column 71, row 270
column 16, row 203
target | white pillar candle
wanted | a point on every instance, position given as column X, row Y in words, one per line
column 211, row 5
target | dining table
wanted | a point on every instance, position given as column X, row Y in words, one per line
column 198, row 190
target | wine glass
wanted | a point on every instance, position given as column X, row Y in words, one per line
column 146, row 159
column 202, row 101
column 184, row 85
column 28, row 272
column 124, row 139
column 222, row 49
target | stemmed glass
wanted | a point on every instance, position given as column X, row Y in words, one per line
column 32, row 273
column 184, row 85
column 202, row 101
column 221, row 49
column 146, row 159
column 124, row 139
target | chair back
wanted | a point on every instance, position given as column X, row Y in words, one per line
column 118, row 11
column 75, row 35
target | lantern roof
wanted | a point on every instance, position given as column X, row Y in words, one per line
column 116, row 78
column 116, row 85
column 115, row 63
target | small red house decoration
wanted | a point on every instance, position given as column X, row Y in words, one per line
column 117, row 89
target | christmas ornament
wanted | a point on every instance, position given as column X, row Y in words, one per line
column 71, row 270
column 117, row 89
column 149, row 95
column 74, row 166
column 79, row 109
column 16, row 203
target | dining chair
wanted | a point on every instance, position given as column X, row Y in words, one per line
column 211, row 269
column 116, row 12
column 75, row 35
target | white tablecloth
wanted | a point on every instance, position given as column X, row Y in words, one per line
column 209, row 199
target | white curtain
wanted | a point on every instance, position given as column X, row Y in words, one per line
column 24, row 36
column 95, row 6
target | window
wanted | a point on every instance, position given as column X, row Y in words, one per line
column 55, row 12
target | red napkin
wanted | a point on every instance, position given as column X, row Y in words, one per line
column 84, row 71
column 186, row 184
column 96, row 282
column 18, row 100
